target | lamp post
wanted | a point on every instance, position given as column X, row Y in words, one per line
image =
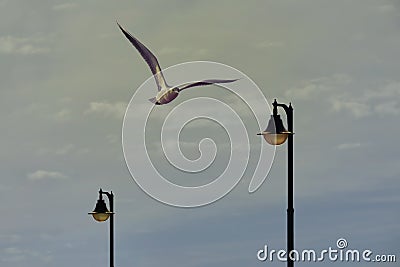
column 276, row 134
column 101, row 214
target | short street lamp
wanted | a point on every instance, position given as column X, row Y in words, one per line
column 276, row 134
column 101, row 214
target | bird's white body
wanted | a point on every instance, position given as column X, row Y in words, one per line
column 166, row 95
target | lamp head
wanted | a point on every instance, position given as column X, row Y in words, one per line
column 275, row 134
column 100, row 212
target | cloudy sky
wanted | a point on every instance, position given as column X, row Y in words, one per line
column 67, row 75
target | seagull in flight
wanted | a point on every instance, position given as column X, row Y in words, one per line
column 165, row 93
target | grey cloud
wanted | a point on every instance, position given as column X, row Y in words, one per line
column 343, row 94
column 23, row 46
column 44, row 175
column 115, row 110
column 18, row 255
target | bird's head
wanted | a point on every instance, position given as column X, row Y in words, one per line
column 175, row 89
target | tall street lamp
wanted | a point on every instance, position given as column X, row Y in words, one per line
column 276, row 134
column 101, row 214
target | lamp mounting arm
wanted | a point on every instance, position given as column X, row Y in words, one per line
column 288, row 111
column 110, row 197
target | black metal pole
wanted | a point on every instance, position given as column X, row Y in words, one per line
column 290, row 210
column 111, row 197
column 111, row 200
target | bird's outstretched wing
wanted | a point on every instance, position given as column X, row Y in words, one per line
column 204, row 82
column 150, row 59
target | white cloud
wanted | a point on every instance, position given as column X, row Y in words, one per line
column 315, row 87
column 348, row 146
column 65, row 6
column 65, row 149
column 304, row 92
column 388, row 108
column 356, row 108
column 62, row 115
column 383, row 101
column 10, row 238
column 12, row 250
column 388, row 91
column 22, row 46
column 116, row 110
column 12, row 254
column 385, row 8
column 43, row 175
column 339, row 91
